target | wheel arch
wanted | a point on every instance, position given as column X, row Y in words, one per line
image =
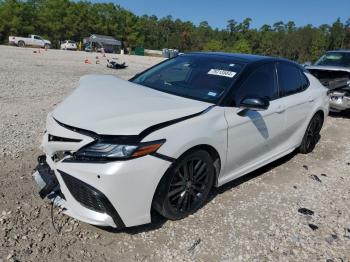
column 320, row 112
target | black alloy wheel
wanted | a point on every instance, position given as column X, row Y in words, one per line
column 186, row 187
column 312, row 134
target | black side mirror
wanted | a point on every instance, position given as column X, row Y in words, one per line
column 255, row 103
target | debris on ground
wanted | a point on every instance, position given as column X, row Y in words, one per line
column 316, row 178
column 305, row 167
column 305, row 211
column 112, row 63
column 196, row 243
column 313, row 227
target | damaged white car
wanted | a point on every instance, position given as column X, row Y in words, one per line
column 115, row 149
column 333, row 71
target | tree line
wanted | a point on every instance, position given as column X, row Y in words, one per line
column 58, row 20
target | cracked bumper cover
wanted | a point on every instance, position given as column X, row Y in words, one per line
column 128, row 185
column 122, row 191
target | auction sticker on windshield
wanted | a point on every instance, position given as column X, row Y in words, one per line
column 219, row 72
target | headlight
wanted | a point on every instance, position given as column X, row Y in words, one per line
column 108, row 150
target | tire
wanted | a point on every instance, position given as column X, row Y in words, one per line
column 46, row 46
column 21, row 44
column 312, row 134
column 186, row 186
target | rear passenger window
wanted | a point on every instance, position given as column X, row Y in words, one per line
column 261, row 83
column 290, row 79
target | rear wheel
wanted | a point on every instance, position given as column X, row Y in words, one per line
column 312, row 134
column 186, row 186
column 21, row 44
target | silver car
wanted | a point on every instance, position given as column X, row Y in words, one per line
column 333, row 71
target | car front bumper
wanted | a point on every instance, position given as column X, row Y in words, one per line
column 339, row 102
column 115, row 194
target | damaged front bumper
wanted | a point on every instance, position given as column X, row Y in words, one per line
column 95, row 207
column 116, row 193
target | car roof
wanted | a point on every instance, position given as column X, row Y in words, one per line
column 244, row 58
column 339, row 51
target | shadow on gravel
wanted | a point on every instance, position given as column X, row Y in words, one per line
column 342, row 114
column 158, row 220
column 252, row 175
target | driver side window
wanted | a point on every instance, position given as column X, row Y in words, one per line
column 261, row 83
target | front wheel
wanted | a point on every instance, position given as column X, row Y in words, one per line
column 312, row 134
column 186, row 186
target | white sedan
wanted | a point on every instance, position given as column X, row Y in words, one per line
column 69, row 45
column 115, row 149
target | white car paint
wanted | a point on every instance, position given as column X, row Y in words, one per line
column 68, row 45
column 31, row 40
column 118, row 106
column 108, row 105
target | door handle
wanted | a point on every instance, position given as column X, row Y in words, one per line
column 310, row 99
column 280, row 109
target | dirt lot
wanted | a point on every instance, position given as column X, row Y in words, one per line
column 253, row 219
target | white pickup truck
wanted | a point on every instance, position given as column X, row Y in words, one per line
column 31, row 40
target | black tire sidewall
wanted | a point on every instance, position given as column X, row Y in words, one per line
column 303, row 147
column 161, row 203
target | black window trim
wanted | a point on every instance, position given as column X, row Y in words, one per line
column 267, row 63
column 301, row 73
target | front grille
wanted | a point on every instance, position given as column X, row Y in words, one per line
column 85, row 194
column 90, row 197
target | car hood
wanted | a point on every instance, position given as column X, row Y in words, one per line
column 328, row 68
column 108, row 105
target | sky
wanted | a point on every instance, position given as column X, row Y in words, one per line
column 218, row 12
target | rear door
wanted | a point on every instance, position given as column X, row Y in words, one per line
column 296, row 99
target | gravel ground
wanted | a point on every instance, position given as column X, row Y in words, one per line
column 255, row 218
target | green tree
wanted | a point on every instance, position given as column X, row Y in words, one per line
column 241, row 46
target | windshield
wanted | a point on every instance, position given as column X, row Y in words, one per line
column 335, row 59
column 198, row 77
column 70, row 42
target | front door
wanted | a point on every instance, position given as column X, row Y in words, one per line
column 251, row 133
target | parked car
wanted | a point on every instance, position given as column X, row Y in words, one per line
column 333, row 71
column 115, row 149
column 31, row 40
column 69, row 45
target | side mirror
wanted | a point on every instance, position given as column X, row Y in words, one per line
column 255, row 103
column 308, row 63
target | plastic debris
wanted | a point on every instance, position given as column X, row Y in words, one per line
column 305, row 211
column 316, row 178
column 313, row 227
